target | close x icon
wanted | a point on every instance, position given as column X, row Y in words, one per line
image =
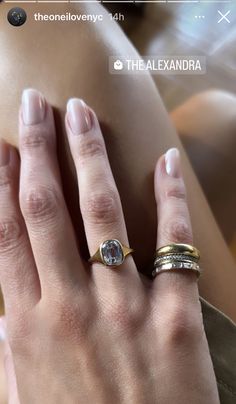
column 224, row 17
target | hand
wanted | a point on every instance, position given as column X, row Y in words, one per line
column 81, row 334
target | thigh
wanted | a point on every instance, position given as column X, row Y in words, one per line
column 206, row 124
column 64, row 61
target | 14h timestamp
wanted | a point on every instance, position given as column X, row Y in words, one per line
column 117, row 16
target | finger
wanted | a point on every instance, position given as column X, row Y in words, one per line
column 18, row 273
column 42, row 203
column 174, row 225
column 99, row 199
column 12, row 391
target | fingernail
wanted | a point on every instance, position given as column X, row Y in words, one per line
column 172, row 160
column 78, row 116
column 2, row 330
column 4, row 153
column 33, row 107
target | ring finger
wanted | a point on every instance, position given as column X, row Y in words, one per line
column 174, row 226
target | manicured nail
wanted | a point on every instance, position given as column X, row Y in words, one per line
column 2, row 330
column 78, row 116
column 33, row 107
column 4, row 153
column 172, row 160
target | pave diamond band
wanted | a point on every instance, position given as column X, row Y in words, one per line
column 174, row 257
column 111, row 253
column 191, row 266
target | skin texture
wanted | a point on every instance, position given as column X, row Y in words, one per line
column 122, row 122
column 72, row 315
column 185, row 114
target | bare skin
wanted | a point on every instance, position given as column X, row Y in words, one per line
column 117, row 127
column 72, row 316
column 205, row 105
column 144, row 124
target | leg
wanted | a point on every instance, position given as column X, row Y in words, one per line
column 136, row 126
column 207, row 126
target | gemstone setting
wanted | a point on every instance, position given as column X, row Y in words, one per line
column 112, row 252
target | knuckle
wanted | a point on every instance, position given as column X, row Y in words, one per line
column 124, row 318
column 182, row 324
column 40, row 203
column 6, row 178
column 179, row 231
column 102, row 207
column 34, row 137
column 176, row 191
column 90, row 148
column 10, row 234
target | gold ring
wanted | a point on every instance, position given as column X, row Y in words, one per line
column 178, row 248
column 111, row 253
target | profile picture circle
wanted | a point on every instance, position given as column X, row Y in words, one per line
column 17, row 16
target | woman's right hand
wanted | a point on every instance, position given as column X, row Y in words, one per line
column 83, row 334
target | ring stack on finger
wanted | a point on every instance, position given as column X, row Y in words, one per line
column 176, row 256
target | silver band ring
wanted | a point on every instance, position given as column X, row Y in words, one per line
column 189, row 266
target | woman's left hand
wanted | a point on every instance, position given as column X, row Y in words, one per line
column 93, row 335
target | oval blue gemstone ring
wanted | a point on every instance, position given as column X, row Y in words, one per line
column 111, row 253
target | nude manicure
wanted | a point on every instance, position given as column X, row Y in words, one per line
column 78, row 116
column 33, row 107
column 172, row 160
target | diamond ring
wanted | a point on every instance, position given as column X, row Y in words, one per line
column 111, row 253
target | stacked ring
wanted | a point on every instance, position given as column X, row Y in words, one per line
column 178, row 248
column 176, row 256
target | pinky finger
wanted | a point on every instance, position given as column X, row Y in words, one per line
column 18, row 273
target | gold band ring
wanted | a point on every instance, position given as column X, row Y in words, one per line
column 178, row 248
